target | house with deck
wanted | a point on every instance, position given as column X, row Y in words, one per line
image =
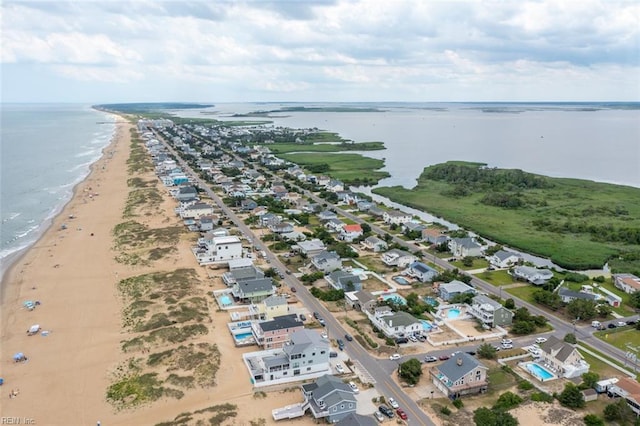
column 460, row 375
column 275, row 333
column 326, row 261
column 629, row 390
column 490, row 312
column 562, row 358
column 329, row 398
column 504, row 259
column 396, row 217
column 532, row 275
column 342, row 280
column 361, row 300
column 465, row 247
column 394, row 324
column 434, row 236
column 305, row 356
column 217, row 250
column 374, row 244
column 309, row 248
column 422, row 272
column 397, row 257
column 448, row 291
column 252, row 291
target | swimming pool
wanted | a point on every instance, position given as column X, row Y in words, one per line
column 242, row 336
column 539, row 372
column 225, row 300
column 453, row 313
column 401, row 280
column 426, row 325
column 431, row 301
column 357, row 271
column 394, row 298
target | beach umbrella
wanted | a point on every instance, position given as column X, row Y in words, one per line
column 18, row 357
column 34, row 329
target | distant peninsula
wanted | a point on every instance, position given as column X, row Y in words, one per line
column 307, row 109
column 145, row 107
column 578, row 224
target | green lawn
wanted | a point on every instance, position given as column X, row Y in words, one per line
column 284, row 148
column 350, row 168
column 497, row 278
column 620, row 337
column 525, row 293
column 477, row 264
column 602, row 367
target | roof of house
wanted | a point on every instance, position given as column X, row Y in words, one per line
column 629, row 280
column 352, row 228
column 456, row 286
column 364, row 296
column 397, row 213
column 631, row 387
column 459, row 366
column 228, row 239
column 398, row 253
column 557, row 348
column 314, row 244
column 280, row 323
column 481, row 299
column 254, row 286
column 422, row 268
column 504, row 255
column 246, row 273
column 275, row 300
column 565, row 292
column 530, row 271
column 325, row 256
column 400, row 318
column 341, row 277
column 466, row 242
column 301, row 340
column 353, row 419
column 326, row 385
column 373, row 240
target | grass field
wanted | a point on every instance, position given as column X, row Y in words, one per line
column 620, row 337
column 525, row 292
column 477, row 264
column 349, row 168
column 497, row 278
column 583, row 211
column 284, row 148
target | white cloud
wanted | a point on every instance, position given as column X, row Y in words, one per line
column 341, row 48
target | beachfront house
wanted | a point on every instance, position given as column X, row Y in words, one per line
column 361, row 300
column 186, row 193
column 329, row 398
column 628, row 283
column 489, row 312
column 394, row 324
column 273, row 306
column 562, row 358
column 342, row 280
column 532, row 275
column 465, row 247
column 422, row 272
column 281, row 228
column 396, row 217
column 275, row 333
column 448, row 291
column 252, row 291
column 305, row 356
column 217, row 250
column 241, row 270
column 196, row 211
column 504, row 259
column 326, row 261
column 374, row 244
column 397, row 257
column 462, row 374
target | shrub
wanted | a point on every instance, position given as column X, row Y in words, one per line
column 571, row 397
column 507, row 401
column 541, row 397
column 570, row 338
column 458, row 403
column 525, row 385
column 593, row 420
column 445, row 410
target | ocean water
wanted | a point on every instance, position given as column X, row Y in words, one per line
column 594, row 141
column 45, row 150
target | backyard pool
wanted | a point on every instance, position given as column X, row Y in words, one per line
column 225, row 300
column 401, row 280
column 430, row 301
column 453, row 313
column 539, row 372
column 426, row 325
column 394, row 298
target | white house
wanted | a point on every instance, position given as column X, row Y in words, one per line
column 327, row 261
column 562, row 358
column 399, row 258
column 396, row 217
column 394, row 324
column 463, row 247
column 218, row 249
column 422, row 272
column 305, row 356
column 374, row 244
column 350, row 232
column 504, row 259
column 628, row 283
column 533, row 275
column 196, row 211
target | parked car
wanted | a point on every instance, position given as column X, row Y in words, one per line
column 506, row 342
column 631, row 322
column 401, row 340
column 621, row 324
column 413, row 338
column 541, row 339
column 293, row 289
column 348, row 337
column 321, row 321
column 316, row 315
column 340, row 368
column 430, row 358
column 393, row 403
column 443, row 357
column 288, row 272
column 324, row 335
column 611, row 325
column 379, row 416
column 333, row 354
column 395, row 356
column 472, row 353
column 401, row 414
column 354, row 387
column 386, row 411
column 507, row 346
column 302, row 317
column 340, row 343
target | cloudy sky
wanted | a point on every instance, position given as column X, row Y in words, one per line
column 320, row 50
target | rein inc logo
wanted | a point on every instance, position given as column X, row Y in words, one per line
column 6, row 420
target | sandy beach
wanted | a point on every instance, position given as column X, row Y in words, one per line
column 71, row 271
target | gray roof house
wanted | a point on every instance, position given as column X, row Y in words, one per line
column 361, row 300
column 422, row 272
column 254, row 290
column 281, row 228
column 504, row 259
column 462, row 374
column 330, row 398
column 463, row 247
column 186, row 193
column 342, row 280
column 310, row 248
column 563, row 358
column 374, row 244
column 394, row 324
column 397, row 257
column 326, row 261
column 568, row 295
column 243, row 273
column 327, row 215
column 533, row 275
column 490, row 312
column 449, row 290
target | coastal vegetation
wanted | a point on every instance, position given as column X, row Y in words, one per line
column 578, row 224
column 198, row 417
column 352, row 169
column 284, row 148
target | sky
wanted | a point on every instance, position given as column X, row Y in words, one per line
column 319, row 50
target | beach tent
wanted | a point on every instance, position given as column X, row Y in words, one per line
column 29, row 304
column 18, row 357
column 33, row 329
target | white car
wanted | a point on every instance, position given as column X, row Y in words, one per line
column 506, row 342
column 379, row 416
column 413, row 338
column 507, row 346
column 394, row 357
column 393, row 403
column 353, row 387
column 541, row 339
column 340, row 368
column 324, row 335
